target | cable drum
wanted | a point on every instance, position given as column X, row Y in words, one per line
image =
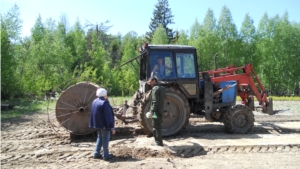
column 73, row 108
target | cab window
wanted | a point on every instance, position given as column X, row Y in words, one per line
column 162, row 65
column 185, row 65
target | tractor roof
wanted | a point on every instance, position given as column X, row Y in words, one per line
column 170, row 47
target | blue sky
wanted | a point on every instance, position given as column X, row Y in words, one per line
column 135, row 15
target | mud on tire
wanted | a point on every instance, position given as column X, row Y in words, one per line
column 239, row 119
column 175, row 117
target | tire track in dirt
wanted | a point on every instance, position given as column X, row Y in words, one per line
column 184, row 152
column 140, row 153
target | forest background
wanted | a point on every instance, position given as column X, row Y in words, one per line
column 56, row 54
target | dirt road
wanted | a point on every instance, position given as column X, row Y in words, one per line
column 274, row 142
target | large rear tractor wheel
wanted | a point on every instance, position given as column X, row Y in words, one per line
column 175, row 117
column 239, row 119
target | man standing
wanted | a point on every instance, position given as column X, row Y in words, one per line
column 157, row 98
column 102, row 119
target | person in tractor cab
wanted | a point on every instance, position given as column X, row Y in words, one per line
column 102, row 119
column 159, row 68
column 157, row 98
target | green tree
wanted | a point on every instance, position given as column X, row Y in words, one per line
column 247, row 35
column 161, row 15
column 75, row 42
column 114, row 51
column 228, row 37
column 176, row 37
column 263, row 50
column 128, row 77
column 97, row 54
column 295, row 56
column 183, row 38
column 194, row 33
column 285, row 43
column 159, row 36
column 208, row 41
column 38, row 30
column 45, row 66
column 11, row 25
column 7, row 66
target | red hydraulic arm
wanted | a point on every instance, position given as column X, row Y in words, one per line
column 244, row 76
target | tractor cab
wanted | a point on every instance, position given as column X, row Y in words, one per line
column 171, row 65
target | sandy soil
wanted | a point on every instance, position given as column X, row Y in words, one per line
column 274, row 142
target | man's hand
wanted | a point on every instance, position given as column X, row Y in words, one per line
column 113, row 131
column 149, row 114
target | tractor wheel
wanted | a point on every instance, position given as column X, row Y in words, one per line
column 175, row 117
column 239, row 119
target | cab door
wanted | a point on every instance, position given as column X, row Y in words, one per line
column 187, row 73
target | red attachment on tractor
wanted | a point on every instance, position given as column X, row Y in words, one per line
column 246, row 78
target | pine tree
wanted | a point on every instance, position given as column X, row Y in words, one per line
column 182, row 38
column 161, row 15
column 159, row 36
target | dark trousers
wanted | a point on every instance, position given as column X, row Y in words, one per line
column 156, row 124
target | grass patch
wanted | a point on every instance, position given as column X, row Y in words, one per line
column 22, row 107
column 118, row 101
column 285, row 98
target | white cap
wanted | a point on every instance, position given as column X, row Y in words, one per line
column 101, row 92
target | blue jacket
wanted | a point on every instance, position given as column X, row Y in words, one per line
column 102, row 116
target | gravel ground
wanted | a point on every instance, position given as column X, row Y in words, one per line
column 274, row 142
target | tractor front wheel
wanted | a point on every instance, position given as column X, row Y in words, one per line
column 239, row 119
